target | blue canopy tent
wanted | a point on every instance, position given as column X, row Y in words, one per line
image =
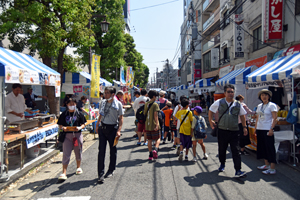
column 202, row 84
column 278, row 69
column 182, row 90
column 20, row 68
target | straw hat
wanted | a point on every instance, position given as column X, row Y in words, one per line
column 266, row 91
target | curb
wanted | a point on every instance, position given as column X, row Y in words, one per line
column 24, row 171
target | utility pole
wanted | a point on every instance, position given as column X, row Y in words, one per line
column 168, row 72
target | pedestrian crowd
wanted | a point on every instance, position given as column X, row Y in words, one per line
column 159, row 120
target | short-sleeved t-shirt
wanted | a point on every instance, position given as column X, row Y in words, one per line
column 150, row 122
column 71, row 119
column 111, row 114
column 186, row 125
column 265, row 118
column 168, row 114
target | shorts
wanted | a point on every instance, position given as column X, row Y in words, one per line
column 175, row 132
column 185, row 141
column 197, row 140
column 141, row 127
column 166, row 129
column 153, row 135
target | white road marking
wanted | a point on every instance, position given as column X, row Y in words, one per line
column 66, row 198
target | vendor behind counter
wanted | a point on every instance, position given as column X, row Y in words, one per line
column 15, row 104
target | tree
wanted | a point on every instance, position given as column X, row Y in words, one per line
column 111, row 45
column 47, row 26
column 135, row 60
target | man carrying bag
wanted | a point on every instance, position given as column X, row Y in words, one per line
column 228, row 127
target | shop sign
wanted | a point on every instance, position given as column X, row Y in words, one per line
column 239, row 66
column 258, row 62
column 262, row 84
column 11, row 75
column 57, row 86
column 214, row 57
column 77, row 88
column 292, row 50
column 39, row 136
column 239, row 36
column 225, row 70
column 272, row 19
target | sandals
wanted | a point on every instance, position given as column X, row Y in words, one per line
column 62, row 177
column 79, row 171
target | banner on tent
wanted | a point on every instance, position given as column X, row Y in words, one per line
column 57, row 86
column 128, row 75
column 261, row 84
column 122, row 75
column 131, row 78
column 36, row 137
column 95, row 76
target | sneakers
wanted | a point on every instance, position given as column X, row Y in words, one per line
column 137, row 138
column 173, row 147
column 222, row 168
column 155, row 156
column 139, row 143
column 109, row 174
column 186, row 158
column 180, row 156
column 101, row 178
column 194, row 159
column 205, row 156
column 145, row 143
column 264, row 167
column 79, row 171
column 269, row 171
column 239, row 174
column 150, row 156
column 164, row 142
column 245, row 153
column 178, row 150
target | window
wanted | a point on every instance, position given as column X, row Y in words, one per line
column 257, row 39
column 240, row 9
column 197, row 63
column 226, row 18
column 297, row 7
column 199, row 15
column 206, row 62
column 227, row 53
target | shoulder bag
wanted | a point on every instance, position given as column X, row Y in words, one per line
column 214, row 132
column 184, row 119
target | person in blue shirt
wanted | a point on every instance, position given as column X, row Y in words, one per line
column 30, row 98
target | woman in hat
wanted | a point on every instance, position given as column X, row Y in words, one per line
column 265, row 122
column 73, row 138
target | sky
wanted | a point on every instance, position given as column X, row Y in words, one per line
column 156, row 31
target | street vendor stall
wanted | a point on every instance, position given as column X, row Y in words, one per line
column 197, row 91
column 23, row 69
column 278, row 74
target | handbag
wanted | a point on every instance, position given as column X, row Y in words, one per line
column 199, row 134
column 214, row 132
column 184, row 119
column 62, row 137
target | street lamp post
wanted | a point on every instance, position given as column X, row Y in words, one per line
column 104, row 27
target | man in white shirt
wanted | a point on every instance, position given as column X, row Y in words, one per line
column 15, row 104
column 139, row 102
column 230, row 111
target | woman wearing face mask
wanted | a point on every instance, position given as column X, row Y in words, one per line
column 73, row 139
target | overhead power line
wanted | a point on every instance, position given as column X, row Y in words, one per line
column 153, row 6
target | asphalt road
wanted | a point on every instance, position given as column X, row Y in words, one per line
column 167, row 178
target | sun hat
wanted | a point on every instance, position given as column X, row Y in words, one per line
column 169, row 103
column 161, row 93
column 266, row 91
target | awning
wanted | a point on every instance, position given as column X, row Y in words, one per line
column 117, row 83
column 81, row 78
column 278, row 69
column 203, row 83
column 22, row 68
column 182, row 87
column 104, row 82
column 236, row 76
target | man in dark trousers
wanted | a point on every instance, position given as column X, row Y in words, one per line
column 110, row 121
column 230, row 111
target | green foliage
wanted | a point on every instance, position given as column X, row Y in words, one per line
column 71, row 64
column 135, row 60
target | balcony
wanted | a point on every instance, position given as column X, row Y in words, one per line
column 213, row 20
column 210, row 5
column 224, row 61
column 214, row 41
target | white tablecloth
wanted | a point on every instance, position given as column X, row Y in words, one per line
column 283, row 136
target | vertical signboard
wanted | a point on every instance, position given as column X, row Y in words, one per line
column 122, row 76
column 239, row 36
column 95, row 89
column 272, row 20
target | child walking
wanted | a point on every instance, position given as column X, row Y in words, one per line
column 185, row 117
column 198, row 125
column 168, row 112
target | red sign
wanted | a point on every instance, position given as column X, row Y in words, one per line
column 258, row 62
column 292, row 50
column 273, row 19
column 197, row 73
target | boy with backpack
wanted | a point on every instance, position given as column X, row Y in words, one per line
column 152, row 124
column 168, row 112
column 198, row 132
column 185, row 117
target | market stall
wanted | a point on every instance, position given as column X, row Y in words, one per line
column 198, row 91
column 23, row 69
column 279, row 73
